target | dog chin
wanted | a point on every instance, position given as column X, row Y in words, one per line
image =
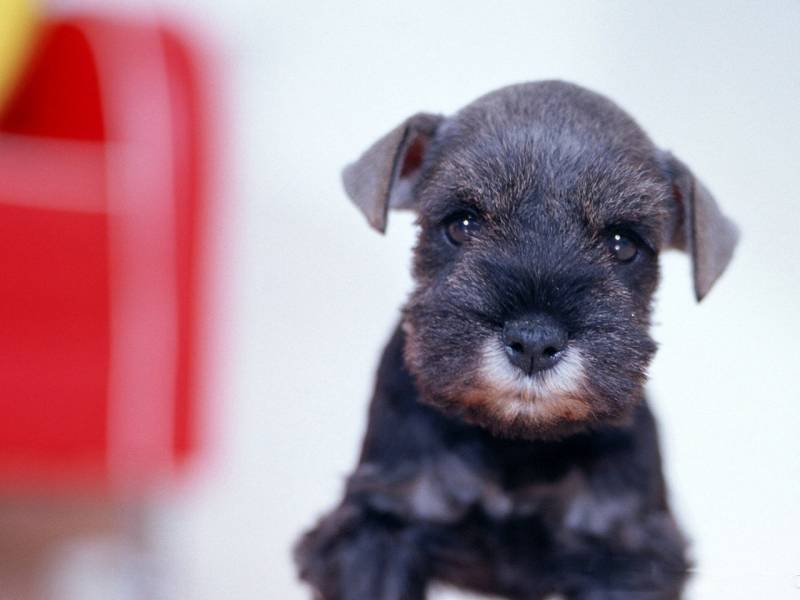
column 547, row 404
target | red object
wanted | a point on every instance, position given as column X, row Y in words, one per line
column 103, row 186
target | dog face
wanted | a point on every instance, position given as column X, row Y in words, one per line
column 542, row 209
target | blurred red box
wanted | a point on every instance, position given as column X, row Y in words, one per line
column 103, row 187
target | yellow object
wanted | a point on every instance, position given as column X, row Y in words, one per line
column 19, row 20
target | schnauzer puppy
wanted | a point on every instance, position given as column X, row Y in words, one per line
column 510, row 450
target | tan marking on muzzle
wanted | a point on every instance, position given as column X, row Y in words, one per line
column 555, row 395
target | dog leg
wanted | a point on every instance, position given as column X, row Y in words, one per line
column 619, row 576
column 355, row 554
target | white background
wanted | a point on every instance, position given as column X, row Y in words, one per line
column 310, row 293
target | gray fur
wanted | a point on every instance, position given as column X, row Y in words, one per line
column 698, row 226
column 476, row 470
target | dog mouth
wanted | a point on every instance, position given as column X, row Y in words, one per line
column 516, row 401
column 503, row 396
column 565, row 378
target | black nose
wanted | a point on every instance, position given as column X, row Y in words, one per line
column 534, row 343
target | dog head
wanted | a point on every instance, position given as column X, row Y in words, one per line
column 542, row 209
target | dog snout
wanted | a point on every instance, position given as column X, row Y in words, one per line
column 534, row 343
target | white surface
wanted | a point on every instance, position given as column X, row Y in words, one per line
column 312, row 293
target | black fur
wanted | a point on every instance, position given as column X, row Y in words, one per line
column 463, row 481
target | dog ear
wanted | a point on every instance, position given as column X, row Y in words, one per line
column 385, row 175
column 699, row 227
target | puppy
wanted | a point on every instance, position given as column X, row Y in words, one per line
column 510, row 449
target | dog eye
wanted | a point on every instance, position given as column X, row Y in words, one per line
column 623, row 246
column 460, row 227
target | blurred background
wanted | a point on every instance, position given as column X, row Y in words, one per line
column 192, row 311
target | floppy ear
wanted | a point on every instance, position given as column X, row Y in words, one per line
column 386, row 173
column 699, row 227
